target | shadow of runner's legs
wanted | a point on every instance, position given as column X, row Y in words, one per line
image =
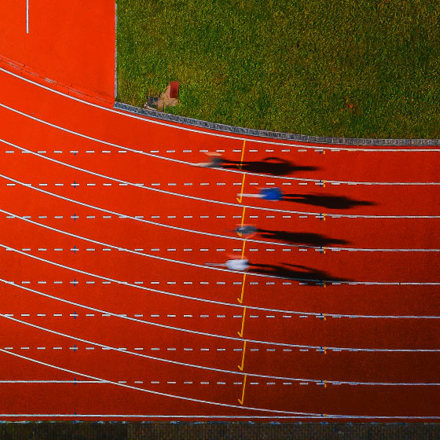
column 306, row 274
column 306, row 238
column 326, row 201
column 269, row 165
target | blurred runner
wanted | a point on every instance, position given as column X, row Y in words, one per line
column 274, row 194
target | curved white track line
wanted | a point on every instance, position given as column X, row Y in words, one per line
column 240, row 172
column 158, row 393
column 333, row 315
column 281, row 344
column 314, row 281
column 201, row 266
column 217, row 202
column 210, row 133
column 50, row 381
column 209, row 234
column 292, row 413
column 199, row 367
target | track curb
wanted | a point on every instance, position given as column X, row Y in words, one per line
column 273, row 134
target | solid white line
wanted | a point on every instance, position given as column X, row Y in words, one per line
column 190, row 399
column 208, row 234
column 50, row 381
column 208, row 133
column 213, row 335
column 27, row 16
column 200, row 299
column 201, row 266
column 305, row 280
column 217, row 202
column 217, row 370
column 169, row 159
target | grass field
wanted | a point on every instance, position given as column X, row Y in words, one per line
column 353, row 68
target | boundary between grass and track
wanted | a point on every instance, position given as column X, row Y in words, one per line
column 273, row 134
column 156, row 118
column 254, row 132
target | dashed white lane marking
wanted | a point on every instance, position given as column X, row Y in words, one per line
column 198, row 130
column 211, row 335
column 212, row 201
column 143, row 389
column 137, row 354
column 225, row 169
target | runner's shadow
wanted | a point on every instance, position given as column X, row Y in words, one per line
column 330, row 202
column 305, row 274
column 306, row 238
column 269, row 165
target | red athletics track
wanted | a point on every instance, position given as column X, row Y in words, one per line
column 109, row 311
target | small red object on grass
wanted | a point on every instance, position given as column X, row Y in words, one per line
column 174, row 89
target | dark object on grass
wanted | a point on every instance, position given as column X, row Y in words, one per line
column 152, row 101
column 174, row 89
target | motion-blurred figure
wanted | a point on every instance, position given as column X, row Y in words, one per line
column 274, row 194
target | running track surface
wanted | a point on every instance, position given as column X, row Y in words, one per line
column 108, row 310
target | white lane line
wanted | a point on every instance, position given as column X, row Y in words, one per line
column 27, row 16
column 122, row 148
column 236, row 373
column 208, row 133
column 50, row 381
column 158, row 393
column 306, row 280
column 135, row 252
column 250, row 240
column 218, row 202
column 168, row 327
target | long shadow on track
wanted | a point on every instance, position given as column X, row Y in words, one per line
column 306, row 238
column 326, row 201
column 306, row 274
column 269, row 165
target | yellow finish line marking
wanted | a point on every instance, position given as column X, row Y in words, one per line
column 240, row 367
column 240, row 401
column 239, row 199
column 240, row 300
column 243, row 248
column 242, row 153
column 240, row 333
column 242, row 215
column 242, row 219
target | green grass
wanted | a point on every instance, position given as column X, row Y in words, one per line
column 353, row 68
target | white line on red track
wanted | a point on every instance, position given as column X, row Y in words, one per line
column 218, row 370
column 122, row 148
column 209, row 133
column 169, row 260
column 212, row 335
column 50, row 381
column 146, row 390
column 27, row 16
column 136, row 252
column 208, row 234
column 291, row 413
column 217, row 202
